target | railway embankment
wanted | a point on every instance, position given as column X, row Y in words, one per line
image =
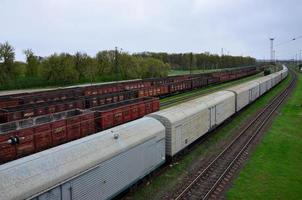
column 274, row 170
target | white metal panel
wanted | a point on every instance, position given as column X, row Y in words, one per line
column 225, row 108
column 224, row 101
column 212, row 112
column 112, row 176
column 54, row 166
column 264, row 84
column 178, row 138
column 184, row 124
column 118, row 173
column 194, row 118
column 278, row 77
column 284, row 72
column 245, row 93
column 273, row 78
column 255, row 92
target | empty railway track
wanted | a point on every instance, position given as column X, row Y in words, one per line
column 210, row 181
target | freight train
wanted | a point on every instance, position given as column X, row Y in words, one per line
column 23, row 137
column 102, row 165
column 118, row 91
column 30, row 123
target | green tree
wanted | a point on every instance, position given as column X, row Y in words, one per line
column 129, row 66
column 151, row 67
column 7, row 67
column 105, row 62
column 85, row 66
column 60, row 69
column 32, row 63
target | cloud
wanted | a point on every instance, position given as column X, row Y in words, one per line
column 241, row 27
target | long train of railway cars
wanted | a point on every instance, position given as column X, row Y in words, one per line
column 40, row 124
column 23, row 137
column 141, row 88
column 22, row 106
column 47, row 120
column 102, row 165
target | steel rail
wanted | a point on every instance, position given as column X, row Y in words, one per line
column 277, row 100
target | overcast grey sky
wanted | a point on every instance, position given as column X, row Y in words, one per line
column 241, row 27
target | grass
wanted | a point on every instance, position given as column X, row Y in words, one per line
column 275, row 168
column 167, row 181
column 174, row 72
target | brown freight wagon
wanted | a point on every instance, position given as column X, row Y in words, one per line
column 7, row 102
column 24, row 137
column 199, row 82
column 154, row 91
column 158, row 81
column 224, row 78
column 180, row 86
column 102, row 89
column 114, row 87
column 56, row 95
column 99, row 100
column 167, row 80
column 233, row 76
column 33, row 110
column 213, row 80
column 133, row 85
column 112, row 115
column 241, row 74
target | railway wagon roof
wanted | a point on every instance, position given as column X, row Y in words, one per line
column 215, row 98
column 180, row 112
column 54, row 166
column 244, row 86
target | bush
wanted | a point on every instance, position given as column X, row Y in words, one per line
column 267, row 72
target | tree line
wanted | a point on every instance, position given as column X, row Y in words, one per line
column 187, row 61
column 108, row 65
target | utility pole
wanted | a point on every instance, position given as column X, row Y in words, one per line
column 116, row 61
column 300, row 58
column 221, row 51
column 191, row 61
column 272, row 49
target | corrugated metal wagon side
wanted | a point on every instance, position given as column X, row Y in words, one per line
column 221, row 105
column 115, row 114
column 187, row 122
column 265, row 84
column 95, row 167
column 184, row 124
column 24, row 137
column 245, row 93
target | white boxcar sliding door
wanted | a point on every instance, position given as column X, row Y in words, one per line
column 212, row 112
column 178, row 138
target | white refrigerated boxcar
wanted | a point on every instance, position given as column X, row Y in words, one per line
column 95, row 167
column 245, row 93
column 187, row 122
column 265, row 84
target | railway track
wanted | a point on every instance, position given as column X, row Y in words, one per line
column 210, row 181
